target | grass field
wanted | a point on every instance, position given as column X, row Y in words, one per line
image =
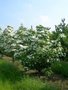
column 12, row 79
column 27, row 84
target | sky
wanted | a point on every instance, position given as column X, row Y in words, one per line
column 32, row 12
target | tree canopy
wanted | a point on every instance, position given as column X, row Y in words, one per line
column 35, row 48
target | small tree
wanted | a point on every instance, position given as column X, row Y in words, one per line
column 8, row 42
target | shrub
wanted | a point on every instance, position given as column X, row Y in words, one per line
column 48, row 72
column 56, row 67
column 64, row 70
column 60, row 68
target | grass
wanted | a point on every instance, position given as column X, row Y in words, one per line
column 12, row 79
column 26, row 84
column 9, row 71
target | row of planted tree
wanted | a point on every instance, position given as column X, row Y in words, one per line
column 35, row 48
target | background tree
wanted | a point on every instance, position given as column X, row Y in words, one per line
column 61, row 33
column 8, row 41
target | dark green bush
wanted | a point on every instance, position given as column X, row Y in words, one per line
column 9, row 72
column 64, row 70
column 56, row 67
column 60, row 68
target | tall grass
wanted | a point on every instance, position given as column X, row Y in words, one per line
column 11, row 79
column 9, row 71
column 27, row 84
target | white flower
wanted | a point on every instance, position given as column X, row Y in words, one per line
column 23, row 46
column 13, row 45
column 47, row 60
column 62, row 35
column 33, row 37
column 18, row 41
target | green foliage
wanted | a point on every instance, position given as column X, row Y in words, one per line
column 56, row 67
column 36, row 49
column 60, row 68
column 64, row 70
column 7, row 41
column 61, row 33
column 9, row 72
column 48, row 72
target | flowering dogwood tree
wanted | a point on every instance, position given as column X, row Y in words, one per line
column 36, row 50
